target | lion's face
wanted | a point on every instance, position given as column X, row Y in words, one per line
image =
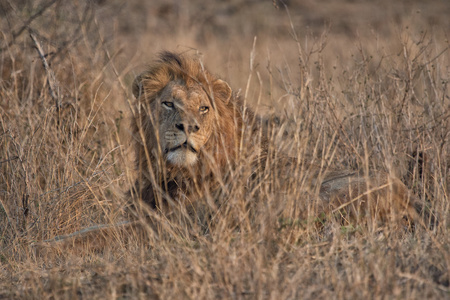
column 186, row 118
column 185, row 122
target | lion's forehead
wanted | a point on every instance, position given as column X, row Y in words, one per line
column 188, row 95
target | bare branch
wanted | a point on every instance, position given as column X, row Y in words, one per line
column 51, row 79
column 96, row 229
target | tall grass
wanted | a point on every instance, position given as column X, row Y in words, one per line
column 372, row 99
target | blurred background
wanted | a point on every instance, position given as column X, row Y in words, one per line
column 224, row 31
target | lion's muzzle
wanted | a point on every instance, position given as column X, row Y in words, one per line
column 185, row 145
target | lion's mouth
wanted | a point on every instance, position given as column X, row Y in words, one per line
column 185, row 145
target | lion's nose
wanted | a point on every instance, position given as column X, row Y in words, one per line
column 190, row 128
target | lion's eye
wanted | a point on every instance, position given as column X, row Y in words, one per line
column 168, row 104
column 203, row 109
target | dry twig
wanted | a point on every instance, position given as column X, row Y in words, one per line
column 51, row 79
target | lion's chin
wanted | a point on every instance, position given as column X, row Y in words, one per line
column 182, row 158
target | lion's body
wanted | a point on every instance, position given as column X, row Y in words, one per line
column 188, row 132
column 357, row 196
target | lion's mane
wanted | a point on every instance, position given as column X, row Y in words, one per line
column 218, row 152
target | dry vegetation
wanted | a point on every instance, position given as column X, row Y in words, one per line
column 354, row 85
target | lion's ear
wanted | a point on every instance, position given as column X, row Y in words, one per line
column 222, row 90
column 137, row 87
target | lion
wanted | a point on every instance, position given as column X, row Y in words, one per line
column 188, row 128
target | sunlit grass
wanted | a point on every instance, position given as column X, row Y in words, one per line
column 376, row 103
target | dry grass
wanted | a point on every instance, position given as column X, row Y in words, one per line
column 355, row 85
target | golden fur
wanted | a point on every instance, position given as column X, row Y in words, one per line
column 355, row 197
